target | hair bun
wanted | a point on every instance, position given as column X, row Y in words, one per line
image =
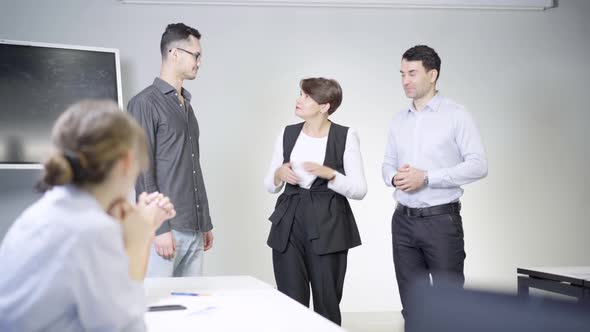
column 57, row 171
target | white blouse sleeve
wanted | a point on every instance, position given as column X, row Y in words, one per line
column 275, row 163
column 352, row 185
column 106, row 297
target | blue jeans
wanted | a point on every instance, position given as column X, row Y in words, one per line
column 187, row 260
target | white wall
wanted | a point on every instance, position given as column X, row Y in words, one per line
column 522, row 74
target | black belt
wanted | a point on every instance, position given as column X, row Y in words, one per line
column 429, row 211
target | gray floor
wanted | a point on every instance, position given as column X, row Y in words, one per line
column 390, row 321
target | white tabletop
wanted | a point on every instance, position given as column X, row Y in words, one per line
column 233, row 303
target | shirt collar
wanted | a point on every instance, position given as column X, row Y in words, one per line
column 70, row 191
column 166, row 88
column 432, row 105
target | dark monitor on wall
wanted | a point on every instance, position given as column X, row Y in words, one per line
column 38, row 81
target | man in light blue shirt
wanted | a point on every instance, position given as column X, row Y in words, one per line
column 433, row 148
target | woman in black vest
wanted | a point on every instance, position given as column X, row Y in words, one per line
column 319, row 163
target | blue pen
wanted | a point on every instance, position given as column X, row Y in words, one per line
column 184, row 294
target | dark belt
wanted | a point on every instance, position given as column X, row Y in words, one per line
column 429, row 211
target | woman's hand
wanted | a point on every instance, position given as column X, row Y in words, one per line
column 156, row 207
column 319, row 170
column 153, row 208
column 285, row 174
column 138, row 233
column 139, row 223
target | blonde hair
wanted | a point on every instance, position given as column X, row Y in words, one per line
column 89, row 137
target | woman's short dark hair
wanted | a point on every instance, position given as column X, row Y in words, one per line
column 176, row 32
column 323, row 91
column 428, row 56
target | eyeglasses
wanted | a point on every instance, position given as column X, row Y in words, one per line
column 197, row 55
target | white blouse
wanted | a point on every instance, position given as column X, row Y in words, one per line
column 64, row 268
column 312, row 149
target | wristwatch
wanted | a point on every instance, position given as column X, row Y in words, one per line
column 426, row 179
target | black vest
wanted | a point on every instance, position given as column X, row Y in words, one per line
column 327, row 215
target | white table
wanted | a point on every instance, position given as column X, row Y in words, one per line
column 233, row 303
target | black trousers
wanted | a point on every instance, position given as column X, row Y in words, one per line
column 298, row 267
column 425, row 247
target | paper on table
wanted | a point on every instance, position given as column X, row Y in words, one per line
column 253, row 310
column 193, row 304
column 198, row 309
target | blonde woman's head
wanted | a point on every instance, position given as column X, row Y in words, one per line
column 95, row 144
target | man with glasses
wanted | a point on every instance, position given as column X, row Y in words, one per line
column 163, row 109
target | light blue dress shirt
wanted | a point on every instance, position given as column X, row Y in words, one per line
column 64, row 268
column 441, row 139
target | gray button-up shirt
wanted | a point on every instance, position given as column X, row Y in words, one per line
column 441, row 139
column 173, row 141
